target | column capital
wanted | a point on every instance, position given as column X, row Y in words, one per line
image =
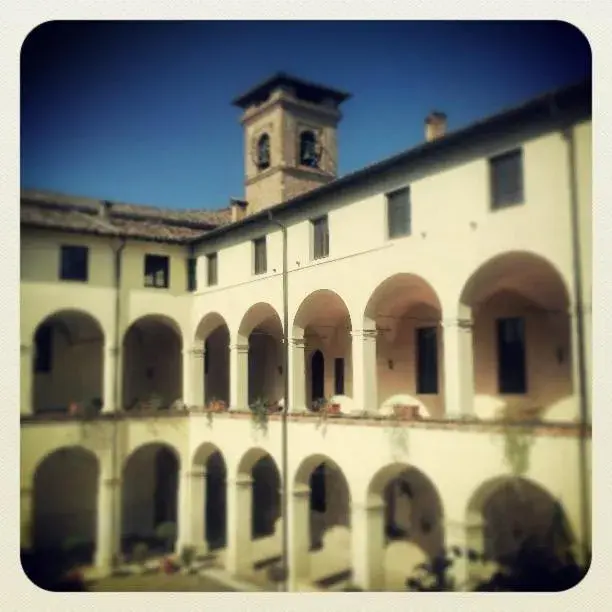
column 26, row 349
column 300, row 491
column 298, row 343
column 241, row 481
column 196, row 473
column 193, row 351
column 458, row 323
column 364, row 334
column 239, row 348
column 112, row 349
column 26, row 491
column 370, row 507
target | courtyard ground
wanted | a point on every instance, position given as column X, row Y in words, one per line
column 158, row 582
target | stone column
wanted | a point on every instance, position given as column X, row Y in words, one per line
column 193, row 376
column 239, row 508
column 586, row 330
column 110, row 369
column 26, row 516
column 368, row 545
column 297, row 375
column 458, row 367
column 299, row 537
column 183, row 531
column 108, row 539
column 27, row 379
column 198, row 509
column 239, row 376
column 365, row 371
column 468, row 537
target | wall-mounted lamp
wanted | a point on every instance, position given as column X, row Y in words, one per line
column 280, row 370
column 390, row 363
column 560, row 355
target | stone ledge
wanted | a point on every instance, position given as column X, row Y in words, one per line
column 541, row 428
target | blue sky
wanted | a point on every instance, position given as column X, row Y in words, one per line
column 141, row 111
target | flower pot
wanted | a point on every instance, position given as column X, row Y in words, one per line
column 406, row 411
column 334, row 409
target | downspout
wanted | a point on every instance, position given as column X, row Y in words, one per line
column 585, row 502
column 115, row 518
column 285, row 468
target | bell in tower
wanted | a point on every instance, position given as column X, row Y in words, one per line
column 290, row 130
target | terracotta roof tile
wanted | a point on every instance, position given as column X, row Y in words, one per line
column 86, row 215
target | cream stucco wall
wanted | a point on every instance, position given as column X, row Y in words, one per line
column 462, row 260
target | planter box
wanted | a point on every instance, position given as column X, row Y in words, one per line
column 407, row 412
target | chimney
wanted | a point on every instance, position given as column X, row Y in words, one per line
column 105, row 209
column 238, row 208
column 435, row 125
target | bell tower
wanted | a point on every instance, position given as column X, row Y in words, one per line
column 290, row 146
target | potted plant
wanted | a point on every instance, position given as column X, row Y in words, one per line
column 408, row 412
column 140, row 552
column 259, row 414
column 188, row 554
column 166, row 532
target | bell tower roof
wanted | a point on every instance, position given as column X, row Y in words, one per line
column 303, row 90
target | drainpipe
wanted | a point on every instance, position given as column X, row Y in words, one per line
column 568, row 135
column 285, row 469
column 115, row 519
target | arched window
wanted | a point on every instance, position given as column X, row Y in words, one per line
column 308, row 150
column 263, row 152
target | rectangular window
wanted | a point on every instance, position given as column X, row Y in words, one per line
column 43, row 344
column 339, row 376
column 320, row 237
column 511, row 361
column 211, row 269
column 260, row 263
column 74, row 263
column 157, row 271
column 192, row 283
column 506, row 175
column 399, row 213
column 427, row 360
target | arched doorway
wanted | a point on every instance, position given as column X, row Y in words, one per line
column 152, row 365
column 65, row 504
column 150, row 498
column 522, row 347
column 323, row 556
column 412, row 524
column 323, row 322
column 213, row 336
column 68, row 362
column 262, row 330
column 406, row 312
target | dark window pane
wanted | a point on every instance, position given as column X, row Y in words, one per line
column 511, row 361
column 399, row 213
column 43, row 344
column 259, row 252
column 427, row 360
column 507, row 179
column 320, row 238
column 74, row 263
column 156, row 273
column 212, row 269
column 339, row 376
column 263, row 152
column 191, row 274
column 308, row 150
